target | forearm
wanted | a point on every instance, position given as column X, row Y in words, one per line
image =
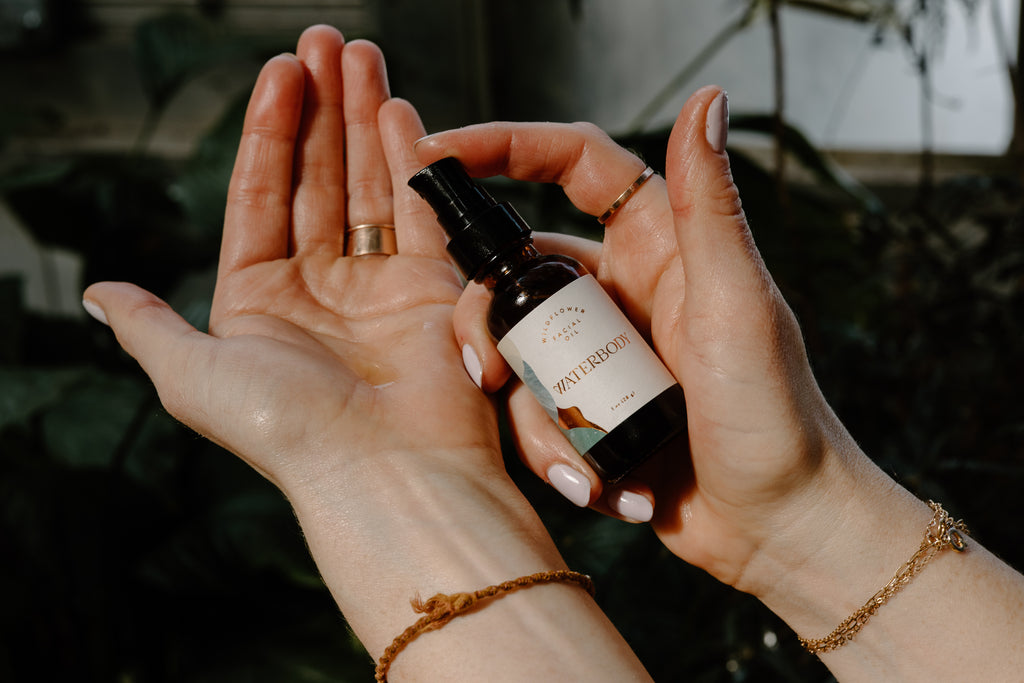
column 946, row 623
column 443, row 532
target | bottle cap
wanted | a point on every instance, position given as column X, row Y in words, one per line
column 478, row 227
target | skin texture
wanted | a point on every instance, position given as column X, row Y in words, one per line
column 773, row 496
column 342, row 381
column 759, row 427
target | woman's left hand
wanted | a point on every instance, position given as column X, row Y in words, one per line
column 307, row 347
column 340, row 380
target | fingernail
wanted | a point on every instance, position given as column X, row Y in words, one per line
column 93, row 309
column 716, row 126
column 632, row 506
column 570, row 484
column 472, row 363
column 422, row 139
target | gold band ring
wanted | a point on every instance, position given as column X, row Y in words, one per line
column 626, row 194
column 371, row 238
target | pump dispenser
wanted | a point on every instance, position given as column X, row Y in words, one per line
column 557, row 328
column 478, row 227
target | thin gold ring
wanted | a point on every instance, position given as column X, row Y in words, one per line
column 626, row 194
column 367, row 239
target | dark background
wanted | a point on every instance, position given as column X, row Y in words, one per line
column 133, row 550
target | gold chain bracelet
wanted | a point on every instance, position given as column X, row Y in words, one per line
column 942, row 533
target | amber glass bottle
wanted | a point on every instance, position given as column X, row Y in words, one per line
column 559, row 331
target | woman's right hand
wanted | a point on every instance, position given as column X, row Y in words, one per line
column 773, row 497
column 680, row 259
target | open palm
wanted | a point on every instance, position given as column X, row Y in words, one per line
column 309, row 347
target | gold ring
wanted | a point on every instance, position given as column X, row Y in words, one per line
column 370, row 238
column 626, row 194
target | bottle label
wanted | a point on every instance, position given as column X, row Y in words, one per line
column 584, row 361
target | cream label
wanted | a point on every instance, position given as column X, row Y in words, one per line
column 584, row 361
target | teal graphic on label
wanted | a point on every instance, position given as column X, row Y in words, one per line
column 582, row 438
column 584, row 362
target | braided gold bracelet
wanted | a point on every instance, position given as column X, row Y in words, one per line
column 441, row 609
column 942, row 533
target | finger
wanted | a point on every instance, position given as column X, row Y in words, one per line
column 629, row 500
column 366, row 88
column 587, row 252
column 726, row 280
column 318, row 216
column 709, row 223
column 162, row 342
column 593, row 171
column 545, row 451
column 259, row 200
column 415, row 223
column 479, row 351
column 738, row 322
column 589, row 165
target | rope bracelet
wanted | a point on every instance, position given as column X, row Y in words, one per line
column 441, row 609
column 942, row 533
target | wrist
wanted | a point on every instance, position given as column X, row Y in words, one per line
column 841, row 541
column 403, row 524
column 948, row 616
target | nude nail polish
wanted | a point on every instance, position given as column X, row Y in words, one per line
column 471, row 361
column 570, row 483
column 632, row 506
column 716, row 126
column 93, row 309
column 580, row 356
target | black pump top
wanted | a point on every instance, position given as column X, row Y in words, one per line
column 478, row 227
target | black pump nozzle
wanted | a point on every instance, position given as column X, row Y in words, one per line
column 455, row 197
column 478, row 227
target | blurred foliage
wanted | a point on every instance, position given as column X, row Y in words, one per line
column 136, row 551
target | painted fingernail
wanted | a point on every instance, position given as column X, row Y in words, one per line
column 716, row 126
column 473, row 366
column 570, row 484
column 632, row 506
column 422, row 139
column 93, row 309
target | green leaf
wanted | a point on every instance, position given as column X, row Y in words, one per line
column 12, row 318
column 37, row 173
column 202, row 187
column 171, row 49
column 24, row 392
column 88, row 425
column 247, row 534
column 812, row 159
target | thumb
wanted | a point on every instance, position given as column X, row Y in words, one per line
column 715, row 243
column 736, row 319
column 162, row 342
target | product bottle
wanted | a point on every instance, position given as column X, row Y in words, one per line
column 559, row 330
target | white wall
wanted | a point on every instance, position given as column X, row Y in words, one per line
column 841, row 91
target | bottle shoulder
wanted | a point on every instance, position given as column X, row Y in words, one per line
column 527, row 285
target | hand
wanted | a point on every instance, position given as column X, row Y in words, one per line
column 681, row 261
column 339, row 379
column 339, row 344
column 336, row 377
column 774, row 497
